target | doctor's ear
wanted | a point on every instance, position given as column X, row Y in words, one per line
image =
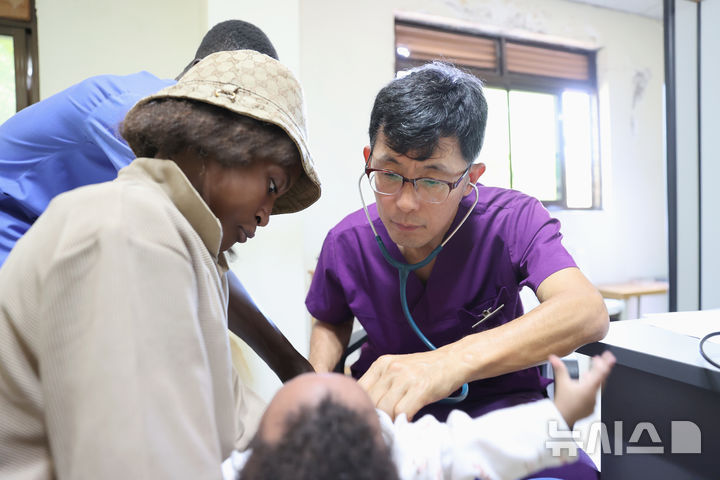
column 366, row 153
column 475, row 173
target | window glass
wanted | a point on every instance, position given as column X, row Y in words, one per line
column 577, row 135
column 8, row 101
column 533, row 144
column 496, row 147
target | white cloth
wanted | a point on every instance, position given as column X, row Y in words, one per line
column 506, row 444
column 249, row 408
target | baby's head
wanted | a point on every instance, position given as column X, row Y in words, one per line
column 320, row 426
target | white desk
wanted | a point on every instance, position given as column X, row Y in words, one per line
column 660, row 377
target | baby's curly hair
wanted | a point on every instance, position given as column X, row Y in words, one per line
column 169, row 126
column 325, row 442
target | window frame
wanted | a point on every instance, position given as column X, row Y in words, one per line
column 24, row 33
column 499, row 77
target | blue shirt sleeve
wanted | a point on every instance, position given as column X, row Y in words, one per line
column 68, row 140
column 101, row 128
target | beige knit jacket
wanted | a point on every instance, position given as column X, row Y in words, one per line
column 114, row 354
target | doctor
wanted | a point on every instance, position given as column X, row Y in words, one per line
column 426, row 129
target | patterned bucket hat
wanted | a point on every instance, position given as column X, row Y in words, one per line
column 255, row 85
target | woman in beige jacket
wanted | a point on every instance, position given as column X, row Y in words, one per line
column 114, row 356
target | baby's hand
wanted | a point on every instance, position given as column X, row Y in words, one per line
column 575, row 399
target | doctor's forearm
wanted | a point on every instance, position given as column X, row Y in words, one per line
column 557, row 326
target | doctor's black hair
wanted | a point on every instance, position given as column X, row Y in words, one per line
column 328, row 441
column 433, row 101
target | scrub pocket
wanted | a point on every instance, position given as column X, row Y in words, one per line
column 483, row 313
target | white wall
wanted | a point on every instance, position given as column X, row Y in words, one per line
column 81, row 38
column 277, row 18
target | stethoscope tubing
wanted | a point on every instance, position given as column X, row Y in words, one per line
column 404, row 270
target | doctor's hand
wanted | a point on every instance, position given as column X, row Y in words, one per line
column 406, row 383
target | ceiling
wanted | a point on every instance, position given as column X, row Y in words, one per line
column 646, row 8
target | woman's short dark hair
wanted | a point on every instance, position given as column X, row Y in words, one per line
column 169, row 126
column 325, row 442
column 433, row 101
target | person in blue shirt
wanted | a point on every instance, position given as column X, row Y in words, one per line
column 72, row 139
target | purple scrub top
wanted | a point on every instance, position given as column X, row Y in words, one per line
column 508, row 241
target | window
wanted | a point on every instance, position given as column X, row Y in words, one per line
column 18, row 57
column 541, row 135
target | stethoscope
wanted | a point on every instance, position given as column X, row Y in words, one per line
column 404, row 270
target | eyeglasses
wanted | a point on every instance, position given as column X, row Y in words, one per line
column 431, row 190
